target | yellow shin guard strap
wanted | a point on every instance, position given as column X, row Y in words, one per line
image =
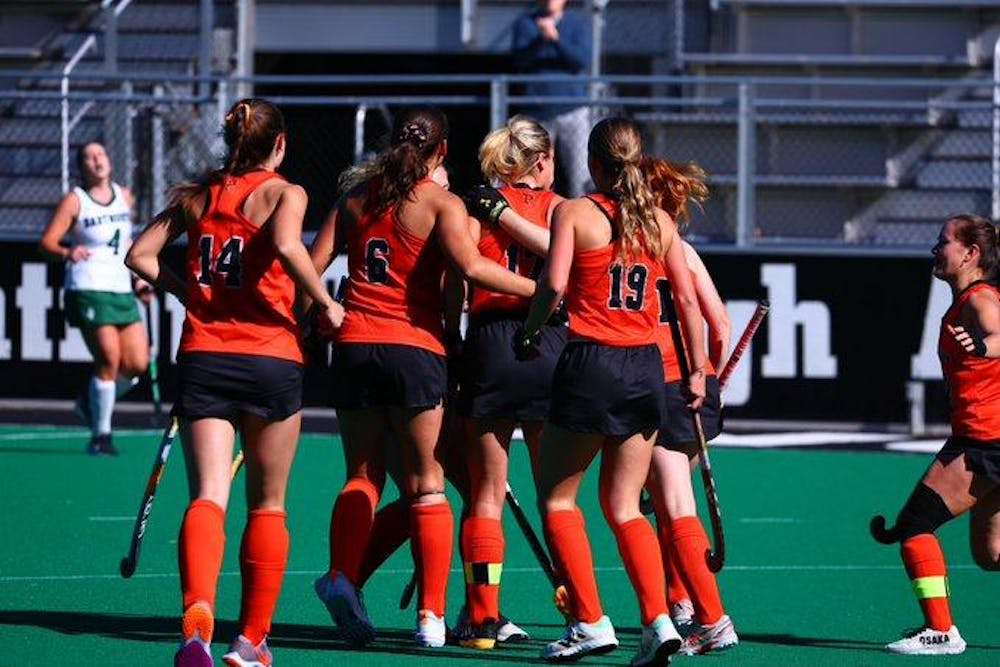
column 930, row 587
column 483, row 573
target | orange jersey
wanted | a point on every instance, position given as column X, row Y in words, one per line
column 497, row 245
column 973, row 382
column 239, row 297
column 611, row 301
column 394, row 292
column 665, row 340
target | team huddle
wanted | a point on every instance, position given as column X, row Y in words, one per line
column 592, row 326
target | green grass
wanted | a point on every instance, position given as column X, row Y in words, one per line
column 804, row 582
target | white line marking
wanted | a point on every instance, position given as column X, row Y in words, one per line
column 68, row 434
column 519, row 570
column 806, row 438
column 916, row 446
column 110, row 518
column 769, row 519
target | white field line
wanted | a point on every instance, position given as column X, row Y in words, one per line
column 803, row 439
column 110, row 518
column 61, row 435
column 12, row 579
column 916, row 446
column 769, row 519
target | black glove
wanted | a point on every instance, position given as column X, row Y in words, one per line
column 525, row 344
column 486, row 203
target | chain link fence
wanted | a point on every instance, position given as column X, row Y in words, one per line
column 850, row 172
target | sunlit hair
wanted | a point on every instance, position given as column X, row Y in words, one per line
column 509, row 152
column 417, row 135
column 616, row 144
column 250, row 130
column 975, row 230
column 674, row 186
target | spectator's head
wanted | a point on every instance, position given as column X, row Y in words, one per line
column 673, row 185
column 254, row 132
column 977, row 246
column 520, row 148
column 614, row 154
column 93, row 163
column 551, row 7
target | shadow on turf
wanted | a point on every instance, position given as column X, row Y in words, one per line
column 283, row 635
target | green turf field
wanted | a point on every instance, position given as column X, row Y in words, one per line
column 804, row 582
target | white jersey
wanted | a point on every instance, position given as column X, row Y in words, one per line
column 107, row 232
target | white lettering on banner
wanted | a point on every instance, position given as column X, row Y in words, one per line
column 4, row 340
column 739, row 385
column 925, row 365
column 782, row 328
column 34, row 298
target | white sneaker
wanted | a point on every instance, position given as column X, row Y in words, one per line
column 682, row 614
column 715, row 637
column 346, row 607
column 927, row 641
column 508, row 631
column 659, row 641
column 431, row 630
column 582, row 639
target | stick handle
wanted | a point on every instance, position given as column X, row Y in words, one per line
column 758, row 316
column 533, row 541
column 714, row 558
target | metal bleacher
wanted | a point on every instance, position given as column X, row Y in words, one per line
column 154, row 37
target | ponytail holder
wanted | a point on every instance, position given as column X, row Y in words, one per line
column 247, row 111
column 413, row 134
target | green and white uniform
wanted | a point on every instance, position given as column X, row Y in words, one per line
column 99, row 288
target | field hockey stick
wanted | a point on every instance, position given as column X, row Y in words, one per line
column 154, row 370
column 716, row 558
column 561, row 597
column 236, row 465
column 748, row 333
column 646, row 503
column 129, row 562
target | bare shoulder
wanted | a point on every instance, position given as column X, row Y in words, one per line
column 441, row 199
column 985, row 299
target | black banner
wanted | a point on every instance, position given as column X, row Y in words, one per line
column 844, row 336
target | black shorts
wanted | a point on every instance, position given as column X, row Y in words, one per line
column 981, row 457
column 615, row 391
column 375, row 375
column 224, row 386
column 677, row 430
column 495, row 385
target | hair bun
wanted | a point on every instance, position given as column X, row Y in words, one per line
column 412, row 133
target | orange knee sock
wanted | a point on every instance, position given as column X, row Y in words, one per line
column 676, row 591
column 639, row 551
column 263, row 556
column 431, row 528
column 690, row 544
column 570, row 549
column 351, row 526
column 482, row 556
column 199, row 551
column 390, row 530
column 928, row 573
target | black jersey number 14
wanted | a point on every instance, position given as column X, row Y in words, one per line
column 228, row 263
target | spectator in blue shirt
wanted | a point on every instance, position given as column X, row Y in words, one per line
column 550, row 40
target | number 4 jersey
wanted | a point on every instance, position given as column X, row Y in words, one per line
column 240, row 298
column 106, row 231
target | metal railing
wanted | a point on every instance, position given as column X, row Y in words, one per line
column 759, row 138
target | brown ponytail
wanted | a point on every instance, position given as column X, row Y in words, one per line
column 617, row 145
column 250, row 130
